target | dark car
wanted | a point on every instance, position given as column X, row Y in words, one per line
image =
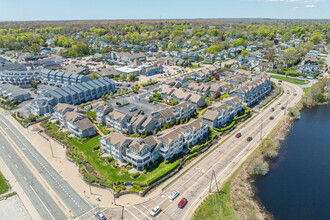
column 249, row 139
column 99, row 215
column 238, row 135
column 280, row 80
column 182, row 203
column 149, row 100
column 136, row 92
column 272, row 109
column 282, row 107
column 141, row 112
column 118, row 103
column 271, row 117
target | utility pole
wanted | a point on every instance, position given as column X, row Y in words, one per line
column 50, row 146
column 213, row 176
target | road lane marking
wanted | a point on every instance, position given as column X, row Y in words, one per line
column 9, row 156
column 232, row 149
column 142, row 213
column 16, row 166
column 42, row 202
column 131, row 213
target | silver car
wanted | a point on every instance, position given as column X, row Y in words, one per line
column 173, row 195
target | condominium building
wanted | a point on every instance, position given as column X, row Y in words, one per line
column 139, row 152
column 74, row 121
column 62, row 78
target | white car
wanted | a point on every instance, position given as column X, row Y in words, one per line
column 155, row 211
column 173, row 195
column 279, row 103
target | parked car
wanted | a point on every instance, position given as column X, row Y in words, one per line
column 118, row 103
column 283, row 107
column 134, row 108
column 182, row 203
column 155, row 211
column 272, row 109
column 238, row 135
column 249, row 139
column 173, row 195
column 141, row 112
column 280, row 80
column 136, row 92
column 149, row 100
column 99, row 215
column 271, row 117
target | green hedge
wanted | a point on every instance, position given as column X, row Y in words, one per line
column 135, row 175
column 240, row 117
column 225, row 128
column 201, row 146
column 191, row 155
column 163, row 173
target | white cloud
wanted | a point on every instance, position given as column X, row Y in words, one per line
column 310, row 6
column 305, row 3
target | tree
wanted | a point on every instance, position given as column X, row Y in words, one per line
column 244, row 53
column 35, row 48
column 270, row 54
column 290, row 56
column 34, row 85
column 131, row 77
column 94, row 75
column 123, row 76
column 213, row 49
column 316, row 37
column 174, row 102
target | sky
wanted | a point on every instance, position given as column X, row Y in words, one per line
column 23, row 10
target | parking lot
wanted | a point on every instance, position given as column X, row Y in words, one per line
column 138, row 100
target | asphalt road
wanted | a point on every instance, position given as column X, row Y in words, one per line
column 39, row 197
column 76, row 204
column 194, row 184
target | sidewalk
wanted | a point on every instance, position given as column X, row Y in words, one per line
column 66, row 168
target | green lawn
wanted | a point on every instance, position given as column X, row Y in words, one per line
column 306, row 89
column 290, row 80
column 4, row 107
column 3, row 185
column 108, row 172
column 196, row 66
column 102, row 129
column 217, row 205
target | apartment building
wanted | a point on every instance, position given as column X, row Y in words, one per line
column 139, row 153
column 74, row 121
column 62, row 78
column 254, row 90
column 102, row 111
column 19, row 77
column 119, row 121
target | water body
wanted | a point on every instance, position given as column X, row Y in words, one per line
column 298, row 184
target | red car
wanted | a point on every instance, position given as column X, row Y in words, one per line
column 238, row 135
column 182, row 203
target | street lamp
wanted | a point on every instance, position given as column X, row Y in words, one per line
column 261, row 129
column 50, row 146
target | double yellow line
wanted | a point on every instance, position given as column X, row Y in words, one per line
column 18, row 152
column 218, row 161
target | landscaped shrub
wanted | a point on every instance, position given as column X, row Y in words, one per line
column 144, row 171
column 123, row 187
column 135, row 175
column 240, row 117
column 225, row 128
column 163, row 173
column 124, row 171
column 118, row 190
column 136, row 188
column 166, row 161
column 191, row 155
column 129, row 166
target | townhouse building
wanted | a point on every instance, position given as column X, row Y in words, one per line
column 74, row 121
column 76, row 94
column 20, row 78
column 254, row 90
column 119, row 121
column 102, row 111
column 139, row 153
column 57, row 78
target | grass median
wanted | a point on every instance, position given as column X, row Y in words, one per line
column 290, row 80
